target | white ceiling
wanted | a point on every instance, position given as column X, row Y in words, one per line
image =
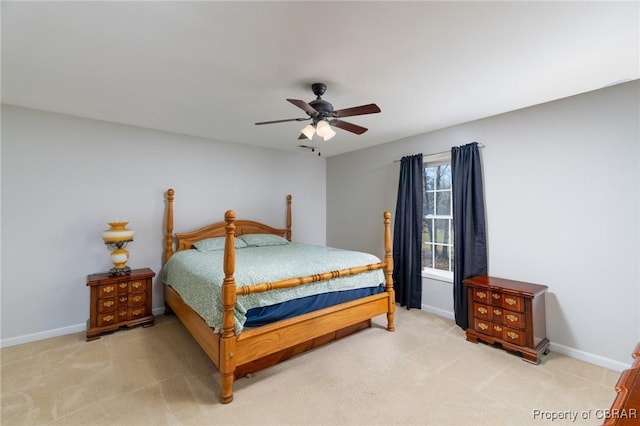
column 212, row 69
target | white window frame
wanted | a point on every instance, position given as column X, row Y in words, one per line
column 433, row 273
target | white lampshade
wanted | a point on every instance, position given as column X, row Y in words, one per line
column 322, row 128
column 331, row 133
column 308, row 131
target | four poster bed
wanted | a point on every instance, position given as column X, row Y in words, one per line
column 278, row 309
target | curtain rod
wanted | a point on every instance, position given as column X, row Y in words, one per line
column 480, row 145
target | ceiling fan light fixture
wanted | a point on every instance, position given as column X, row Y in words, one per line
column 322, row 128
column 331, row 133
column 308, row 131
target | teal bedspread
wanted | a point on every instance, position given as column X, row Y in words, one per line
column 197, row 276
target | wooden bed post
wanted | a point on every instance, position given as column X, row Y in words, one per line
column 288, row 236
column 228, row 340
column 168, row 241
column 388, row 272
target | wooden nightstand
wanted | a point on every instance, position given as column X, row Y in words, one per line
column 119, row 301
column 511, row 313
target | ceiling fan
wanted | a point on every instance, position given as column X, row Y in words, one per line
column 323, row 116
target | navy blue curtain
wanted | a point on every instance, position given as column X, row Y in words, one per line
column 407, row 233
column 469, row 228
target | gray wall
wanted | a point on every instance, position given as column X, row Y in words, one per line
column 562, row 187
column 63, row 178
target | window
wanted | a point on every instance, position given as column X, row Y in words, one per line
column 437, row 223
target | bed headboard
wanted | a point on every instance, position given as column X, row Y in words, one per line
column 186, row 240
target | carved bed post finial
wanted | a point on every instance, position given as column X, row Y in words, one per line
column 168, row 244
column 288, row 236
column 388, row 271
column 228, row 340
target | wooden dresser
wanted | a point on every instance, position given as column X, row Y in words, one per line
column 119, row 301
column 625, row 410
column 511, row 313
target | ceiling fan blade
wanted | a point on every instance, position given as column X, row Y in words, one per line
column 304, row 106
column 359, row 110
column 282, row 121
column 349, row 127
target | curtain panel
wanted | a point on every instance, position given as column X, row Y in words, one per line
column 469, row 227
column 407, row 233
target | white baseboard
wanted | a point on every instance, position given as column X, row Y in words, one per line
column 589, row 357
column 33, row 337
column 438, row 311
column 555, row 347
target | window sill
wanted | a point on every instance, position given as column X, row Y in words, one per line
column 435, row 274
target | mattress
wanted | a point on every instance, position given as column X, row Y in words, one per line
column 197, row 276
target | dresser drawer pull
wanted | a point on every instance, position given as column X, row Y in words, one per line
column 497, row 312
column 496, row 296
column 137, row 298
column 108, row 303
column 510, row 301
column 137, row 312
column 512, row 318
column 107, row 318
column 513, row 335
column 482, row 310
column 497, row 328
column 107, row 289
column 122, row 285
column 483, row 326
column 136, row 284
column 123, row 299
column 481, row 294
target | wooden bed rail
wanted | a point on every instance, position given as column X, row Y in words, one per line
column 295, row 282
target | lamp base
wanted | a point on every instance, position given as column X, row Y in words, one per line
column 118, row 272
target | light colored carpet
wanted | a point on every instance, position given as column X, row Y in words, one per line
column 424, row 373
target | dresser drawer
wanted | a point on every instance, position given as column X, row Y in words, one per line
column 514, row 319
column 107, row 290
column 107, row 305
column 515, row 336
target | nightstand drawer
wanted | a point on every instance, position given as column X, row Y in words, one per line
column 137, row 285
column 517, row 337
column 108, row 290
column 481, row 296
column 107, row 319
column 482, row 326
column 482, row 311
column 137, row 299
column 107, row 305
column 497, row 330
column 513, row 303
column 514, row 319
